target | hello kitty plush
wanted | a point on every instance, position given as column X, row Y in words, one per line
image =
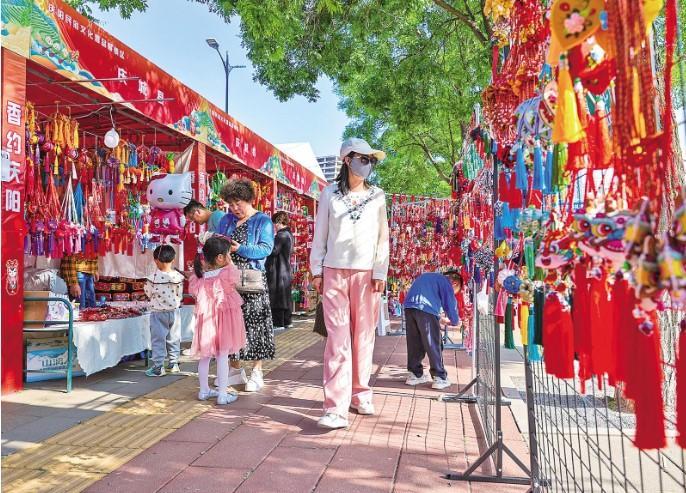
column 168, row 195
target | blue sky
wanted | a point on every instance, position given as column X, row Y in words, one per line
column 172, row 35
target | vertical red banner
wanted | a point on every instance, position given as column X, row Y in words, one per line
column 13, row 136
column 190, row 245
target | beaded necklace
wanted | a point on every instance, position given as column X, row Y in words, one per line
column 354, row 210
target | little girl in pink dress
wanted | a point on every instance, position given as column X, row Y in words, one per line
column 219, row 327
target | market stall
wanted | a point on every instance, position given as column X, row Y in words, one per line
column 301, row 210
column 94, row 136
column 422, row 240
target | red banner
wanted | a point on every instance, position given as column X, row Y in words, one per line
column 12, row 258
column 65, row 41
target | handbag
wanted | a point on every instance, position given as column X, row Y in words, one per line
column 319, row 324
column 250, row 281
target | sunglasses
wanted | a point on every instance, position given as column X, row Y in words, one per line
column 365, row 159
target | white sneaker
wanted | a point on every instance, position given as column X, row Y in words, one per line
column 332, row 421
column 441, row 383
column 225, row 398
column 203, row 396
column 364, row 408
column 414, row 380
column 236, row 377
column 255, row 382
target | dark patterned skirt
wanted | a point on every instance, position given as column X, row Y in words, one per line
column 259, row 328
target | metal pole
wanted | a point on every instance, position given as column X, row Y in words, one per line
column 70, row 348
column 227, row 71
column 533, row 444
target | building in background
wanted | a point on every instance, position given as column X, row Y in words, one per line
column 330, row 166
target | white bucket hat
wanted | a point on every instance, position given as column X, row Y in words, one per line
column 360, row 146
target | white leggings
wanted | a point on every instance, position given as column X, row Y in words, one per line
column 222, row 372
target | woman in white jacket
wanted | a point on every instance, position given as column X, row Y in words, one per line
column 349, row 262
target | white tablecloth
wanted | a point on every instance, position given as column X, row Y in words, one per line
column 101, row 345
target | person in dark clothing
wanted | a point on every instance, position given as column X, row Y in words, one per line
column 430, row 293
column 279, row 275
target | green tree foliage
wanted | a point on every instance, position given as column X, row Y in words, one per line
column 408, row 72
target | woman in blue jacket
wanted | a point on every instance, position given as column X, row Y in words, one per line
column 252, row 239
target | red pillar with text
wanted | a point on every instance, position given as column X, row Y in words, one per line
column 12, row 258
column 190, row 245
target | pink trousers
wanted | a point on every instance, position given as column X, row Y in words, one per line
column 351, row 310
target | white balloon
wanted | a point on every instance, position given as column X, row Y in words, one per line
column 112, row 138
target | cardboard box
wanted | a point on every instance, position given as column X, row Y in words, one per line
column 36, row 310
column 48, row 354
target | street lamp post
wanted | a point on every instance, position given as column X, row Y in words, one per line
column 212, row 43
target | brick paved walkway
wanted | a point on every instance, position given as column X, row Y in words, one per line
column 269, row 442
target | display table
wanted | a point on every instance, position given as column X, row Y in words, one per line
column 101, row 345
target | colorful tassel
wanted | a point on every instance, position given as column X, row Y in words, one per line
column 567, row 127
column 602, row 327
column 648, row 400
column 559, row 164
column 79, row 202
column 582, row 107
column 603, row 151
column 522, row 177
column 534, row 351
column 509, row 334
column 621, row 311
column 524, row 322
column 581, row 318
column 539, row 178
column 558, row 338
column 681, row 389
column 530, row 257
column 539, row 302
column 548, row 186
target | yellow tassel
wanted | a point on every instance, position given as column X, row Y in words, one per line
column 639, row 121
column 566, row 126
column 56, row 164
column 524, row 321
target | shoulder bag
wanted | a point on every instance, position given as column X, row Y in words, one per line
column 250, row 281
column 319, row 323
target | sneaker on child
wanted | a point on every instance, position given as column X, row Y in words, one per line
column 173, row 368
column 441, row 383
column 225, row 398
column 210, row 394
column 237, row 376
column 415, row 380
column 155, row 371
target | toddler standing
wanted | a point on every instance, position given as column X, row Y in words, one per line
column 219, row 327
column 165, row 290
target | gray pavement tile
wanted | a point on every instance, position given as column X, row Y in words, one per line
column 11, row 421
column 41, row 429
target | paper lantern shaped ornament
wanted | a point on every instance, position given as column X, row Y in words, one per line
column 167, row 196
column 573, row 21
